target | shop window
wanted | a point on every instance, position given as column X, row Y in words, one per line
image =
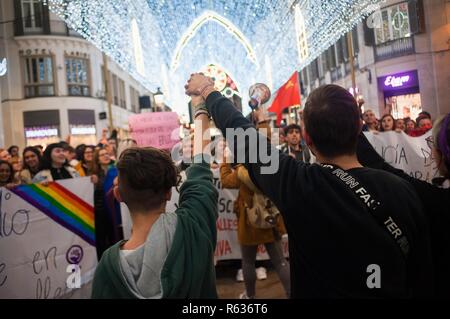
column 82, row 127
column 41, row 127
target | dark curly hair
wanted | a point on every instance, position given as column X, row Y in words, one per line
column 146, row 175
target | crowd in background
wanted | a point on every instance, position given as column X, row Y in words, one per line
column 418, row 127
column 61, row 161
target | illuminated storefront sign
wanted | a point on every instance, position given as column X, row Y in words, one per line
column 83, row 131
column 399, row 81
column 41, row 132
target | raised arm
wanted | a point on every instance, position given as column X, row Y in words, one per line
column 198, row 196
column 270, row 170
column 432, row 197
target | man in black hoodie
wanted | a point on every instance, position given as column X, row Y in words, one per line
column 354, row 232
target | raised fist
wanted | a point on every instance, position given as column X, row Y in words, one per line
column 198, row 84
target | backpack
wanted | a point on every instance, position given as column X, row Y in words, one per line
column 263, row 213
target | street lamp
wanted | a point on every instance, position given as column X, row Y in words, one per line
column 159, row 98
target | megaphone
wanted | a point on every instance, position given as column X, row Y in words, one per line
column 259, row 94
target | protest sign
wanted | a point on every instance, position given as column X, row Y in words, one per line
column 159, row 130
column 47, row 240
column 413, row 155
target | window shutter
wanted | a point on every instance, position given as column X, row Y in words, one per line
column 416, row 16
column 369, row 34
column 45, row 19
column 18, row 22
column 355, row 40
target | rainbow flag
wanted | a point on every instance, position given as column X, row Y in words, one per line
column 61, row 205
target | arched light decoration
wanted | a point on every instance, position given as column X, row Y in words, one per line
column 186, row 35
column 198, row 23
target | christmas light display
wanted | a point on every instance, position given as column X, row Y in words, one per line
column 255, row 40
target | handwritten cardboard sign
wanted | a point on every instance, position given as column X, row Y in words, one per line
column 42, row 253
column 413, row 155
column 159, row 130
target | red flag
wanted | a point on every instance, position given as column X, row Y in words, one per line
column 288, row 95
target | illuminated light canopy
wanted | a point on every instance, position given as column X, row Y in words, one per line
column 186, row 35
column 198, row 23
column 139, row 57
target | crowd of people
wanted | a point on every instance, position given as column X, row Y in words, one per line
column 61, row 161
column 333, row 193
column 387, row 123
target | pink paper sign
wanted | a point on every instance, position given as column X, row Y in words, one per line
column 159, row 130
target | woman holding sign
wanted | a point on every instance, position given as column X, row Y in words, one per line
column 54, row 165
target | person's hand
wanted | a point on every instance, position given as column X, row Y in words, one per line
column 199, row 84
column 11, row 186
column 227, row 155
column 196, row 101
column 94, row 179
column 259, row 115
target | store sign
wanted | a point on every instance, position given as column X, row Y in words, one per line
column 396, row 82
column 83, row 130
column 37, row 133
column 399, row 81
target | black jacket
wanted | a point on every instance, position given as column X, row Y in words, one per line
column 436, row 203
column 333, row 239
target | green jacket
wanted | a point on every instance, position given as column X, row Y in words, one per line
column 188, row 270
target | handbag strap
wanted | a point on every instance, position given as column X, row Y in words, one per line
column 375, row 207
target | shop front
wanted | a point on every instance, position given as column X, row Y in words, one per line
column 41, row 127
column 82, row 127
column 401, row 94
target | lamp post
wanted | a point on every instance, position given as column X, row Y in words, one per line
column 159, row 99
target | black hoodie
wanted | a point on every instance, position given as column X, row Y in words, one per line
column 334, row 241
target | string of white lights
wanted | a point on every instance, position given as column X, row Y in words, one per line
column 185, row 36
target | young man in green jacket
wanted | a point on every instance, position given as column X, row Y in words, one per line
column 169, row 255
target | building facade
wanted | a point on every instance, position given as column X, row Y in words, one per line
column 402, row 60
column 55, row 83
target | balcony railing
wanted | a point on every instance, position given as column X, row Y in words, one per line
column 393, row 49
column 57, row 27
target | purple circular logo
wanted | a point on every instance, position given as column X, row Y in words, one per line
column 74, row 255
